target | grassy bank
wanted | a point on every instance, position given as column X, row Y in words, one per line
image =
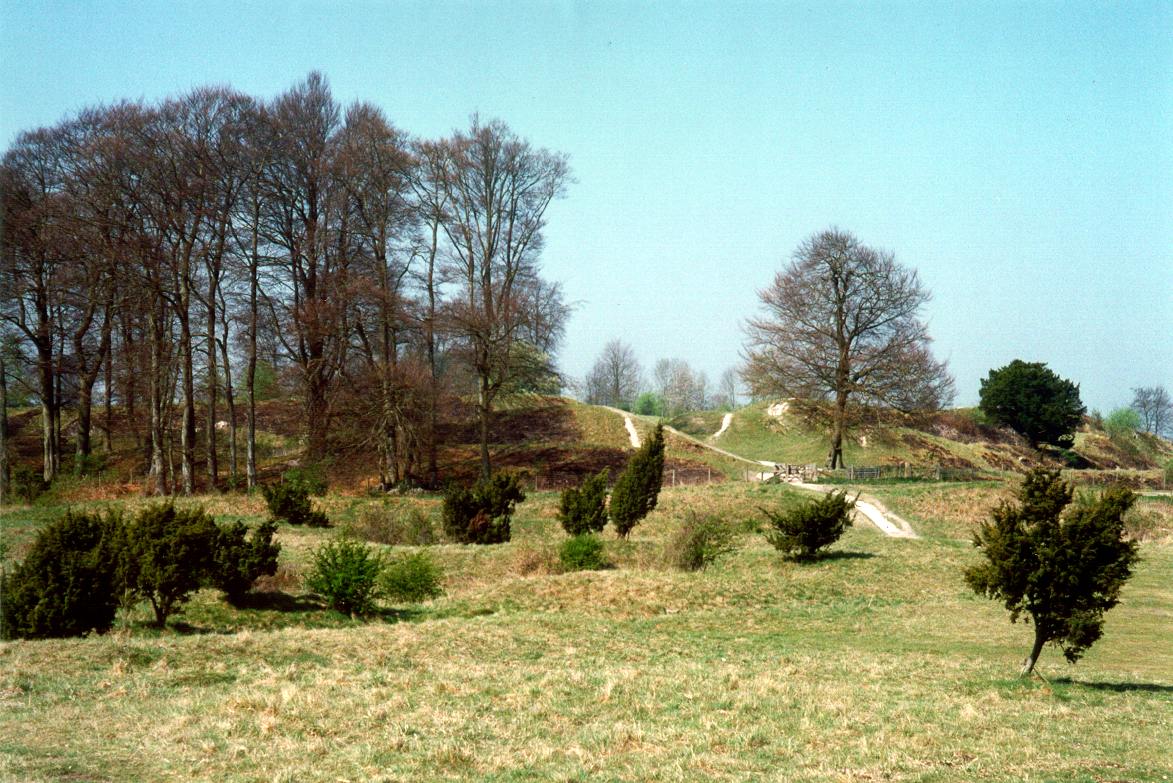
column 874, row 664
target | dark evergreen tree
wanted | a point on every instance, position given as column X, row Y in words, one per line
column 67, row 585
column 481, row 514
column 637, row 490
column 239, row 560
column 803, row 531
column 1033, row 401
column 1062, row 570
column 584, row 509
column 169, row 554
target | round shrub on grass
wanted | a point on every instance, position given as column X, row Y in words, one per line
column 412, row 578
column 68, row 584
column 289, row 500
column 347, row 574
column 167, row 555
column 801, row 532
column 698, row 542
column 238, row 561
column 481, row 514
column 584, row 509
column 583, row 553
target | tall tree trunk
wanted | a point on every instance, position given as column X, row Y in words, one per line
column 108, row 401
column 58, row 396
column 835, row 459
column 230, row 400
column 433, row 384
column 3, row 432
column 213, row 386
column 157, row 475
column 250, row 375
column 48, row 390
column 316, row 411
column 484, row 409
column 87, row 377
column 187, row 431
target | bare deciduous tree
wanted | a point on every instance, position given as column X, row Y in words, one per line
column 680, row 387
column 1155, row 408
column 842, row 324
column 310, row 238
column 727, row 388
column 616, row 377
column 498, row 188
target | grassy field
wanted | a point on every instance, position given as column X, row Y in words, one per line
column 875, row 664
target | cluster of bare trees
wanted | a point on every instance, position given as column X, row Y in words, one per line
column 617, row 379
column 154, row 255
column 1154, row 407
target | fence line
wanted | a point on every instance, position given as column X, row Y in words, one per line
column 673, row 477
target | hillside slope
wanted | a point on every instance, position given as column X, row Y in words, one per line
column 955, row 439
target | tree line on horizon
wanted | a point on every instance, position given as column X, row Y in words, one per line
column 169, row 258
column 176, row 259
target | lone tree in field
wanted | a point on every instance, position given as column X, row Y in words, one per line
column 1063, row 571
column 1033, row 401
column 637, row 489
column 841, row 324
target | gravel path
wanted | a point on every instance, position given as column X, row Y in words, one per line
column 873, row 510
column 631, row 433
column 888, row 523
column 726, row 420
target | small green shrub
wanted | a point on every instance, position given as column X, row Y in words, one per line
column 481, row 515
column 88, row 464
column 412, row 578
column 406, row 525
column 312, row 479
column 1169, row 473
column 26, row 483
column 649, row 404
column 1122, row 425
column 637, row 490
column 584, row 509
column 583, row 552
column 290, row 501
column 698, row 542
column 347, row 574
column 802, row 531
column 238, row 561
column 67, row 584
column 168, row 554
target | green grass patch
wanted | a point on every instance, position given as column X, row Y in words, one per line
column 876, row 663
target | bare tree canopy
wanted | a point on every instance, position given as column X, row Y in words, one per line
column 842, row 323
column 616, row 377
column 680, row 387
column 1155, row 408
column 498, row 187
column 151, row 253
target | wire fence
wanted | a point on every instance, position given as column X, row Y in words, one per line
column 673, row 477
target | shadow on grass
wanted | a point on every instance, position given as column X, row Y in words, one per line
column 843, row 555
column 279, row 601
column 1117, row 687
column 824, row 557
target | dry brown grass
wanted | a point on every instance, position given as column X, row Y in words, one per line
column 875, row 665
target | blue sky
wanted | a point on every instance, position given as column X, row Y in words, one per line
column 1020, row 156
